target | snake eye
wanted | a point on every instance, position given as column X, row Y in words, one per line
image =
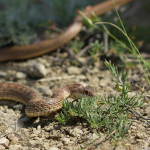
column 86, row 92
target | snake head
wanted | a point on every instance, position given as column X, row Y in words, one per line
column 89, row 92
column 79, row 91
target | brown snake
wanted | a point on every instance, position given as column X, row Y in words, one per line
column 26, row 52
column 36, row 105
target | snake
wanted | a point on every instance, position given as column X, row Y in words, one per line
column 34, row 50
column 36, row 105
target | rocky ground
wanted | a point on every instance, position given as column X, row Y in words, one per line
column 45, row 74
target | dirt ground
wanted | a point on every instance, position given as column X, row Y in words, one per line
column 45, row 133
column 18, row 132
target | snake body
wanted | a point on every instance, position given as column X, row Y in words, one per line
column 34, row 50
column 36, row 105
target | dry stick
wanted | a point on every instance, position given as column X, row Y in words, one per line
column 105, row 41
column 61, row 78
column 73, row 56
column 101, row 139
column 146, row 56
column 84, row 50
column 134, row 111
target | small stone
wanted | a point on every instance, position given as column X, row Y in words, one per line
column 59, row 145
column 95, row 136
column 135, row 77
column 4, row 142
column 139, row 135
column 48, row 128
column 9, row 130
column 36, row 70
column 3, row 74
column 15, row 147
column 32, row 143
column 14, row 141
column 20, row 75
column 54, row 148
column 45, row 90
column 147, row 111
column 73, row 70
column 24, row 148
column 2, row 147
column 36, row 132
column 66, row 141
column 46, row 146
column 76, row 132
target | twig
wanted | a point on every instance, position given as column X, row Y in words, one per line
column 134, row 111
column 101, row 140
column 84, row 50
column 105, row 41
column 61, row 78
column 72, row 55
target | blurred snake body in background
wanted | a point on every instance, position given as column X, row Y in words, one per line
column 34, row 50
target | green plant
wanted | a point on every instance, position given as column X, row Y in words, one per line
column 76, row 46
column 96, row 49
column 112, row 113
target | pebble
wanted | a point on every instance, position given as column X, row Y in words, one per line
column 139, row 135
column 20, row 75
column 3, row 74
column 14, row 141
column 66, row 141
column 45, row 90
column 76, row 132
column 35, row 69
column 46, row 146
column 2, row 147
column 32, row 143
column 4, row 141
column 73, row 70
column 54, row 148
column 147, row 111
column 15, row 147
column 48, row 128
column 9, row 130
column 95, row 136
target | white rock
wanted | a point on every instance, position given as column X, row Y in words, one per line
column 147, row 110
column 15, row 147
column 54, row 148
column 4, row 141
column 32, row 143
column 66, row 141
column 9, row 130
column 3, row 74
column 73, row 70
column 20, row 75
column 45, row 90
column 35, row 69
column 2, row 147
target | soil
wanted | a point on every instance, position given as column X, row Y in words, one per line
column 45, row 132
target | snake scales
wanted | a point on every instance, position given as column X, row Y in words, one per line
column 36, row 105
column 26, row 52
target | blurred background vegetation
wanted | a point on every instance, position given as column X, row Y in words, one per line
column 22, row 22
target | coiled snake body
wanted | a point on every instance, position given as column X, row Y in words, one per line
column 36, row 105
